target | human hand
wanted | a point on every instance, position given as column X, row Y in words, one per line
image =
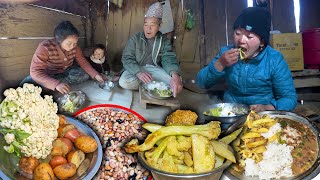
column 261, row 107
column 99, row 78
column 176, row 84
column 227, row 59
column 144, row 77
column 63, row 88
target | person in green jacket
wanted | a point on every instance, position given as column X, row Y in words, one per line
column 148, row 56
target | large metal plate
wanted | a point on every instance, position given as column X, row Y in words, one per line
column 9, row 168
column 309, row 174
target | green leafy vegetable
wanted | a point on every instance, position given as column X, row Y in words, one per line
column 162, row 93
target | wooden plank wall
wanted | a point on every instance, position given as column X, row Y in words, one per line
column 26, row 21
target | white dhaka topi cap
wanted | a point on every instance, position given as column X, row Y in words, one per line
column 155, row 10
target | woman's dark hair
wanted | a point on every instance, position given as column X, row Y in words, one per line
column 63, row 30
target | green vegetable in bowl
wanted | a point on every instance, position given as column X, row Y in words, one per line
column 213, row 112
column 162, row 93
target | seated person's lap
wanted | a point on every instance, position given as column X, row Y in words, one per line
column 129, row 81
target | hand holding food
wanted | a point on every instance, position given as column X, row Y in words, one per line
column 227, row 59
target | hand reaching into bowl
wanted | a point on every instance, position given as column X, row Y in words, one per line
column 176, row 84
column 63, row 88
column 99, row 78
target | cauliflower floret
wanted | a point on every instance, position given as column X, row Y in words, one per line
column 35, row 115
column 9, row 138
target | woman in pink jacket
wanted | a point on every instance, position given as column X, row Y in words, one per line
column 53, row 65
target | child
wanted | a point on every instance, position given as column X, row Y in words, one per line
column 98, row 59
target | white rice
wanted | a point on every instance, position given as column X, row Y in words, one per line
column 226, row 112
column 276, row 162
column 157, row 85
column 272, row 131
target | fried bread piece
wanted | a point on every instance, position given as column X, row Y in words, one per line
column 182, row 118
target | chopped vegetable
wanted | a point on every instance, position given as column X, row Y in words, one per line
column 242, row 54
column 211, row 131
column 214, row 112
column 162, row 93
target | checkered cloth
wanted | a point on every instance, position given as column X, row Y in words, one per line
column 155, row 10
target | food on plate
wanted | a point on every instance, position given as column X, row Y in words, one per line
column 181, row 117
column 86, row 143
column 28, row 121
column 185, row 149
column 43, row 172
column 71, row 103
column 56, row 151
column 76, row 157
column 83, row 167
column 115, row 127
column 65, row 171
column 63, row 128
column 288, row 148
column 72, row 134
column 27, row 165
column 211, row 131
column 57, row 160
column 62, row 119
column 226, row 110
column 64, row 143
column 242, row 53
column 159, row 89
column 204, row 152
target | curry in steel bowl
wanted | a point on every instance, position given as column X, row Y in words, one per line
column 276, row 144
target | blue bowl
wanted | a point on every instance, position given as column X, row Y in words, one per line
column 9, row 162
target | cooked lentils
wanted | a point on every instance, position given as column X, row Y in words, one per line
column 115, row 128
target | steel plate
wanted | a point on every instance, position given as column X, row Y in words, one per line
column 309, row 174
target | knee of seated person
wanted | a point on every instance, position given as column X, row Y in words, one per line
column 134, row 85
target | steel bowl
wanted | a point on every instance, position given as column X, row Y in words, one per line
column 9, row 169
column 151, row 94
column 310, row 173
column 162, row 175
column 107, row 85
column 240, row 111
column 77, row 98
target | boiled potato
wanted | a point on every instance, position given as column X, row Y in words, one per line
column 86, row 143
column 43, row 172
column 64, row 171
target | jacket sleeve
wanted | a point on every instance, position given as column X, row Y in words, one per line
column 208, row 76
column 84, row 64
column 283, row 87
column 169, row 60
column 129, row 57
column 38, row 68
